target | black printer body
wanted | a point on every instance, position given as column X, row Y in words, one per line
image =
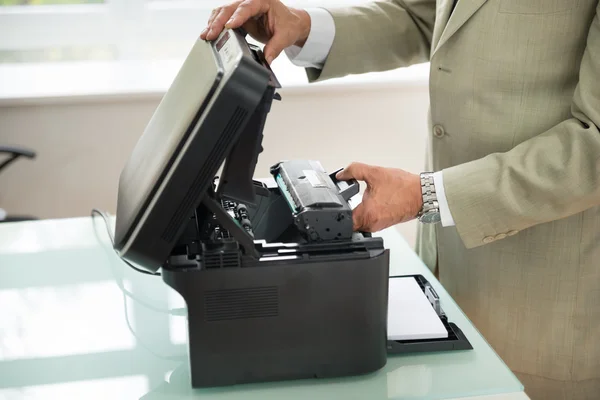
column 277, row 285
column 304, row 308
column 320, row 314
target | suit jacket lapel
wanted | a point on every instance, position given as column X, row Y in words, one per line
column 442, row 13
column 463, row 10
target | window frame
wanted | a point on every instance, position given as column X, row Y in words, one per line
column 124, row 24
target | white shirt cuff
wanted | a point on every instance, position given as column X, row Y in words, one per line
column 445, row 215
column 318, row 44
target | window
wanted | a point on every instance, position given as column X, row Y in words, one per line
column 72, row 30
column 67, row 30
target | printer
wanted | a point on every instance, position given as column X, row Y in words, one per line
column 277, row 285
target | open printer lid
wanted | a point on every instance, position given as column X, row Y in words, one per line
column 195, row 128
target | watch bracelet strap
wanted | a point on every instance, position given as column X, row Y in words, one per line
column 430, row 201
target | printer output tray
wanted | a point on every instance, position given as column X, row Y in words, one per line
column 456, row 339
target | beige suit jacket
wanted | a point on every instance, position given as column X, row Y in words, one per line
column 514, row 117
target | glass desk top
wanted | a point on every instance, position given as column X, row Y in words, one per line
column 64, row 330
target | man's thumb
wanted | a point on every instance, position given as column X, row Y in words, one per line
column 343, row 175
column 274, row 47
column 358, row 216
column 355, row 170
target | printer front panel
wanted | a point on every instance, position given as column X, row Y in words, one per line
column 290, row 319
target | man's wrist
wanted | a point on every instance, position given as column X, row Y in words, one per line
column 304, row 26
column 320, row 34
column 418, row 198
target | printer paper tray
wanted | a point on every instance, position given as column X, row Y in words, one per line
column 456, row 339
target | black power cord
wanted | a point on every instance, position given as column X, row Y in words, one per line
column 103, row 215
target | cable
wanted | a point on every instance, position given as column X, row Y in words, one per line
column 126, row 293
column 179, row 312
column 141, row 342
column 102, row 214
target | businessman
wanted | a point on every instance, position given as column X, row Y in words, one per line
column 509, row 202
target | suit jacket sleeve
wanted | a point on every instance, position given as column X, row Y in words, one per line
column 548, row 177
column 379, row 36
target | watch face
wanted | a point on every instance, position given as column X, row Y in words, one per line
column 431, row 217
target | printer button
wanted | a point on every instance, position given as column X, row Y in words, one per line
column 512, row 233
column 500, row 236
column 438, row 131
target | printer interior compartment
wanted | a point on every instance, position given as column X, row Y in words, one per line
column 263, row 230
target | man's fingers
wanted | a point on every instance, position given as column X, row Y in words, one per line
column 213, row 14
column 246, row 10
column 359, row 171
column 218, row 23
column 358, row 217
column 275, row 46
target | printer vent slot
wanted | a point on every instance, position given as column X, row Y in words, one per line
column 261, row 302
column 225, row 259
column 187, row 204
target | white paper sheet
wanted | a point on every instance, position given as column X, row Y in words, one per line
column 410, row 315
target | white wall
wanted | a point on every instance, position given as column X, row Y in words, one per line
column 83, row 146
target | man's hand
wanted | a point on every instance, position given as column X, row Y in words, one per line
column 268, row 21
column 392, row 196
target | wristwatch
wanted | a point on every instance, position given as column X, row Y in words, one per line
column 430, row 212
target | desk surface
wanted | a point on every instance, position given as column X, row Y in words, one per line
column 64, row 331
